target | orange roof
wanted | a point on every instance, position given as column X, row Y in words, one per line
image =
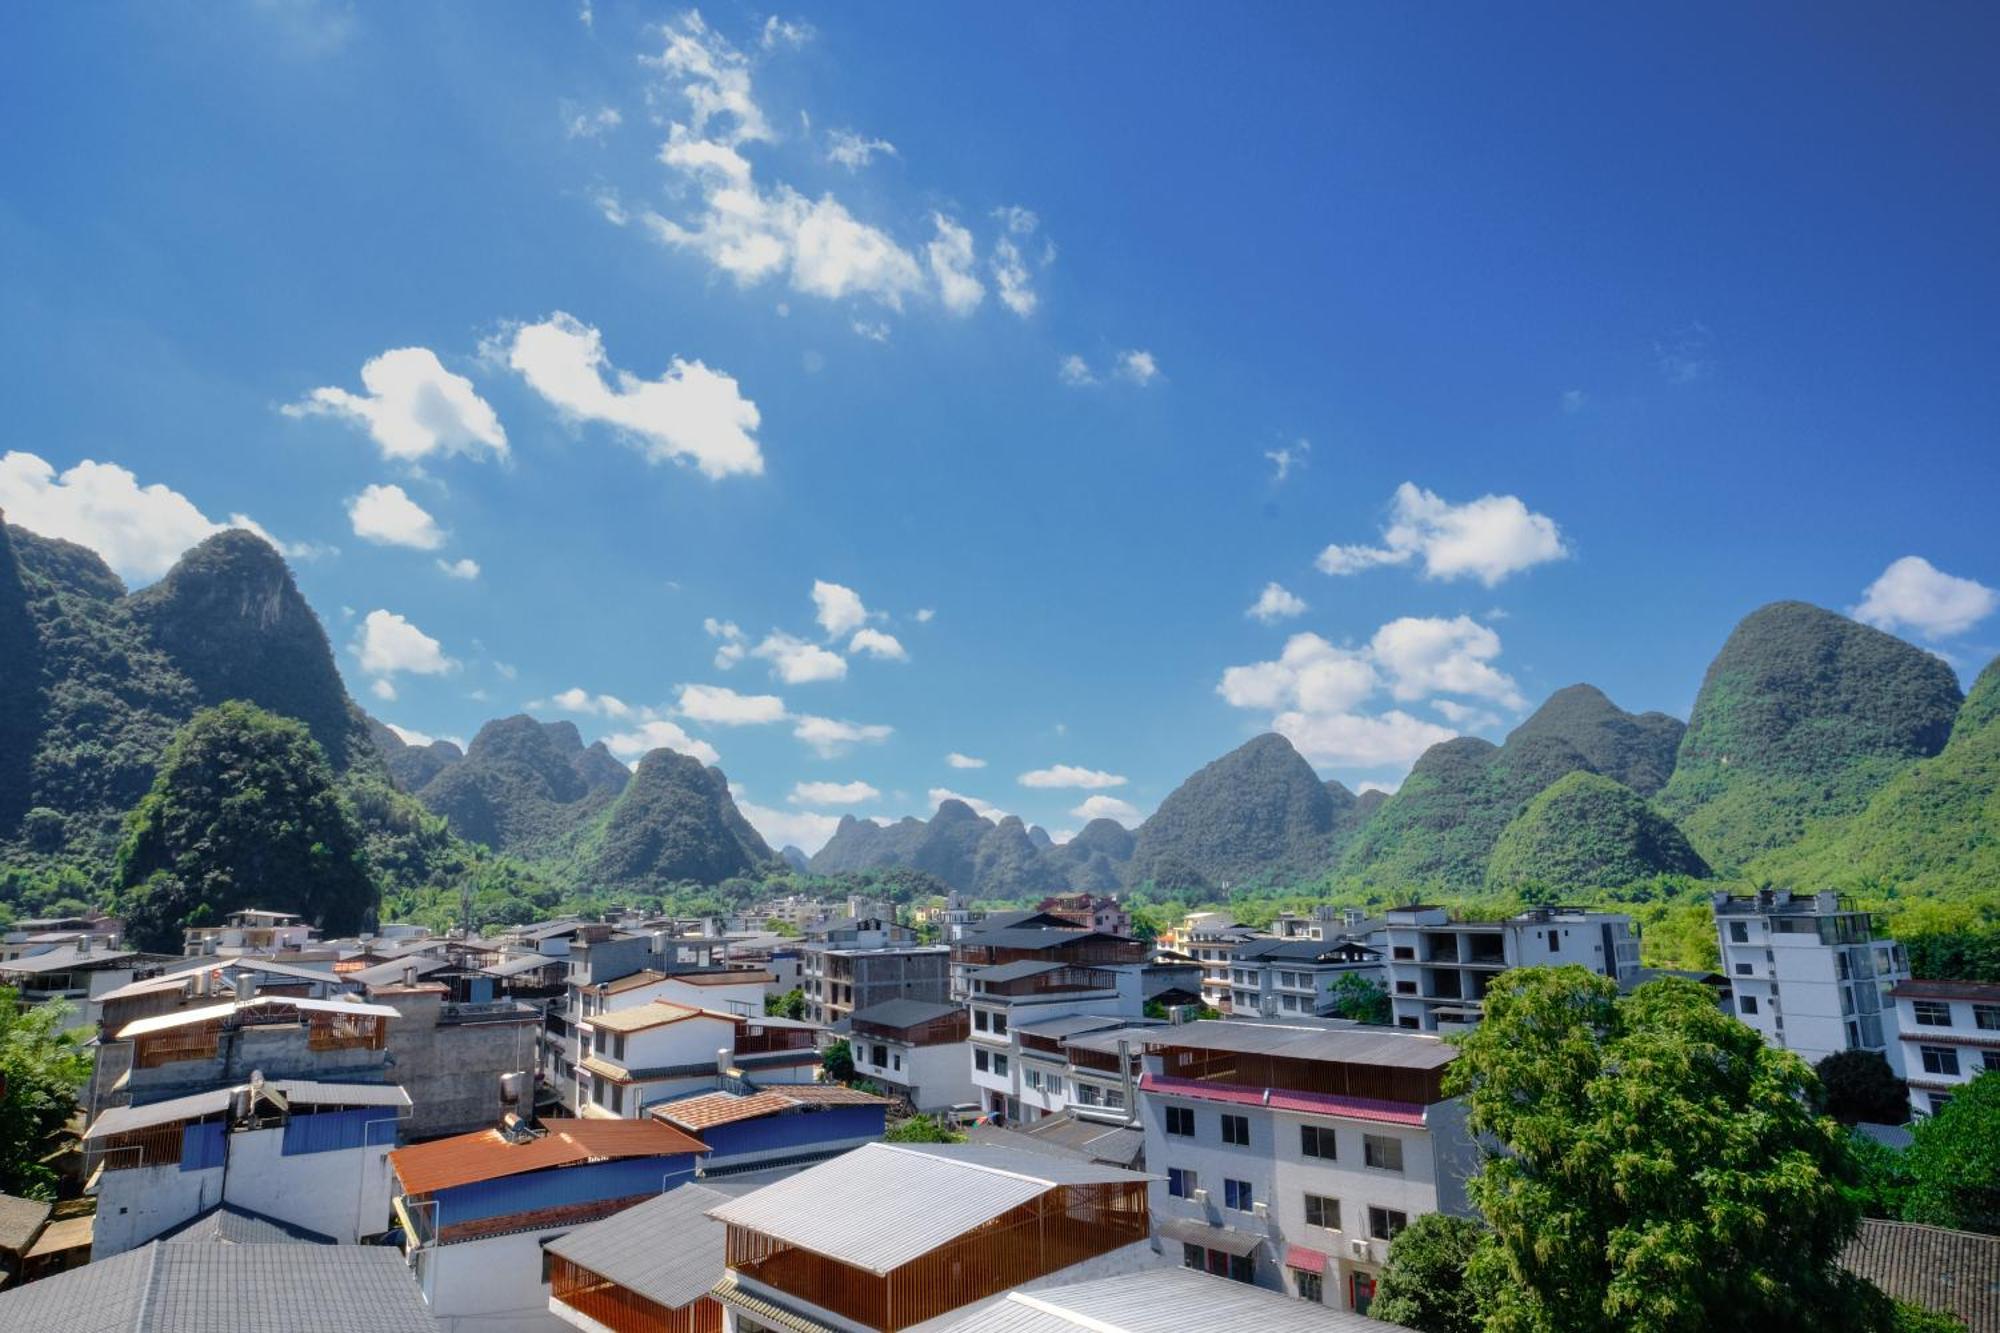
column 653, row 1014
column 734, row 977
column 833, row 1094
column 486, row 1155
column 631, row 982
column 726, row 1108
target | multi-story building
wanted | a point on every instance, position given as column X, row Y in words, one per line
column 80, row 972
column 1948, row 1034
column 1324, row 922
column 1438, row 969
column 1290, row 1156
column 632, row 1058
column 1808, row 973
column 1073, row 1064
column 1107, row 916
column 250, row 930
column 859, row 962
column 1279, row 978
column 916, row 1050
column 29, row 935
column 1212, row 942
column 892, row 1236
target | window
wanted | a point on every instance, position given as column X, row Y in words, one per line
column 1381, row 1152
column 1555, row 942
column 1194, row 1256
column 1939, row 1060
column 1747, row 1003
column 1238, row 1195
column 1236, row 1130
column 1180, row 1120
column 1055, row 1085
column 999, row 1064
column 1033, row 1078
column 999, row 1025
column 980, row 1061
column 1087, row 1094
column 1322, row 1212
column 1744, row 970
column 1181, row 1183
column 1312, row 1287
column 979, row 1020
column 878, row 1055
column 1990, row 1059
column 1242, row 1268
column 1986, row 1017
column 1938, row 1101
column 1384, row 1223
column 1317, row 1141
column 1114, row 1098
column 1932, row 1013
column 1739, row 933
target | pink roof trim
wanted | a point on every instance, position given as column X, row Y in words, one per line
column 1280, row 1099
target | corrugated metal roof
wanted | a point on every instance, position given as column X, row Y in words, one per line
column 904, row 1013
column 666, row 1249
column 1284, row 1099
column 884, row 1204
column 1105, row 1040
column 1162, row 1300
column 514, row 967
column 1358, row 1046
column 1069, row 1025
column 736, row 976
column 393, row 971
column 652, row 1014
column 63, row 960
column 486, row 1155
column 206, row 1013
column 313, row 1092
column 1229, row 1240
column 124, row 1119
column 630, row 981
column 1026, row 967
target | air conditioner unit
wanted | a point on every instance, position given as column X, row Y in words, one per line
column 1200, row 1196
column 1360, row 1246
column 1261, row 1209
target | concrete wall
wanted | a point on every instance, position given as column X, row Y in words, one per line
column 278, row 1052
column 452, row 1070
column 344, row 1193
column 490, row 1286
column 137, row 1204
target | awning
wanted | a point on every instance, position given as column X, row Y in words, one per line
column 1226, row 1239
column 1305, row 1260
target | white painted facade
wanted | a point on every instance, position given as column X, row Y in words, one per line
column 489, row 1286
column 1948, row 1033
column 1437, row 969
column 940, row 1075
column 1808, row 973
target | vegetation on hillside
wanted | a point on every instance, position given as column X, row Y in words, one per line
column 1587, row 832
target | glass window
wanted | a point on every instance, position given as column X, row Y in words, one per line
column 979, row 1020
column 1087, row 1094
column 1180, row 1120
column 1990, row 1059
column 1181, row 1182
column 1312, row 1287
column 1932, row 1013
column 1194, row 1256
column 1317, row 1141
column 981, row 1061
column 1242, row 1268
column 1322, row 1212
column 1236, row 1130
column 1986, row 1017
column 1384, row 1223
column 1747, row 1003
column 1939, row 1060
column 1033, row 1078
column 1237, row 1194
column 999, row 1025
column 1938, row 1101
column 999, row 1064
column 1739, row 933
column 1743, row 969
column 1381, row 1152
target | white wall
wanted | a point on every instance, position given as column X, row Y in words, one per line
column 490, row 1286
column 344, row 1193
column 137, row 1204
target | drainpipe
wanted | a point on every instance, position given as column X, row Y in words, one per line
column 1125, row 1077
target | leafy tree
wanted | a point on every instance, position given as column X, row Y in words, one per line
column 1884, row 1180
column 792, row 1004
column 923, row 1129
column 1954, row 1162
column 1660, row 1168
column 41, row 1068
column 1916, row 1319
column 838, row 1061
column 1859, row 1086
column 1359, row 998
column 243, row 812
column 1423, row 1287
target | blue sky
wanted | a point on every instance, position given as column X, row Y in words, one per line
column 1515, row 347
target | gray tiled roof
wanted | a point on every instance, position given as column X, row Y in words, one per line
column 227, row 1289
column 229, row 1225
column 666, row 1249
column 1954, row 1271
column 20, row 1221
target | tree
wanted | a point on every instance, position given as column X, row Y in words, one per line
column 1884, row 1175
column 1423, row 1286
column 792, row 1004
column 923, row 1129
column 41, row 1068
column 1359, row 998
column 1659, row 1168
column 1859, row 1087
column 1954, row 1161
column 243, row 813
column 838, row 1062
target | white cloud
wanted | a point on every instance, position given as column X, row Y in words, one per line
column 985, row 809
column 1487, row 539
column 388, row 644
column 951, row 261
column 732, row 647
column 690, row 414
column 139, row 530
column 1285, row 458
column 874, row 331
column 802, row 829
column 1465, row 715
column 925, row 614
column 579, row 700
column 1686, row 355
column 854, row 151
column 462, row 568
column 1310, row 674
column 1107, row 807
column 797, row 662
column 718, row 705
column 1912, row 593
column 1275, row 603
column 610, row 207
column 1138, row 366
column 413, row 408
column 831, row 737
column 410, row 735
column 957, row 760
column 838, row 608
column 592, row 125
column 1574, row 401
column 832, row 793
column 876, row 643
column 1010, row 274
column 783, row 32
column 1069, row 775
column 383, row 689
column 658, row 734
column 387, row 516
column 1393, row 739
column 1422, row 656
column 1074, row 371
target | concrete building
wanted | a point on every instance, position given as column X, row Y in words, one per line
column 1808, row 973
column 249, row 930
column 1948, row 1034
column 450, row 1056
column 839, row 978
column 307, row 1154
column 1287, row 978
column 1088, row 911
column 760, row 1129
column 79, row 972
column 1212, row 941
column 652, row 1052
column 30, row 935
column 919, row 1051
column 1438, row 969
column 477, row 1209
column 1289, row 1157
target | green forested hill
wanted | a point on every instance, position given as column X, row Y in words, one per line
column 524, row 786
column 674, row 823
column 1588, row 832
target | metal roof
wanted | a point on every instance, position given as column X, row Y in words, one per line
column 393, row 971
column 1069, row 1025
column 1356, row 1046
column 1192, row 1231
column 514, row 967
column 904, row 1013
column 666, row 1249
column 884, row 1204
column 1160, row 1300
column 734, row 976
column 1983, row 991
column 1303, row 950
column 652, row 1014
column 487, row 1155
column 707, row 1109
column 308, row 1092
column 1033, row 937
column 313, row 1092
column 1026, row 967
column 64, row 960
column 206, row 1013
column 1105, row 1040
column 223, row 1288
column 630, row 981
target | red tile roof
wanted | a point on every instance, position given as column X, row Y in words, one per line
column 1281, row 1099
column 486, row 1155
column 727, row 1108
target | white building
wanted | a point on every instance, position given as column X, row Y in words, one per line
column 916, row 1051
column 1949, row 1035
column 632, row 1058
column 1808, row 973
column 1272, row 1179
column 1289, row 978
column 1438, row 969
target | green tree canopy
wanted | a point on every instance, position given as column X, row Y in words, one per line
column 1954, row 1161
column 243, row 812
column 1423, row 1286
column 1859, row 1086
column 1360, row 998
column 41, row 1066
column 1661, row 1168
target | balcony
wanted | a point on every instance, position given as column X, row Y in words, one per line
column 488, row 1011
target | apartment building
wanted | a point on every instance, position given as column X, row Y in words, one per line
column 248, row 930
column 632, row 1058
column 1213, row 943
column 1438, row 969
column 29, row 935
column 1089, row 912
column 1948, row 1033
column 79, row 971
column 1290, row 1156
column 918, row 1051
column 974, row 924
column 858, row 962
column 1808, row 973
column 1279, row 978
